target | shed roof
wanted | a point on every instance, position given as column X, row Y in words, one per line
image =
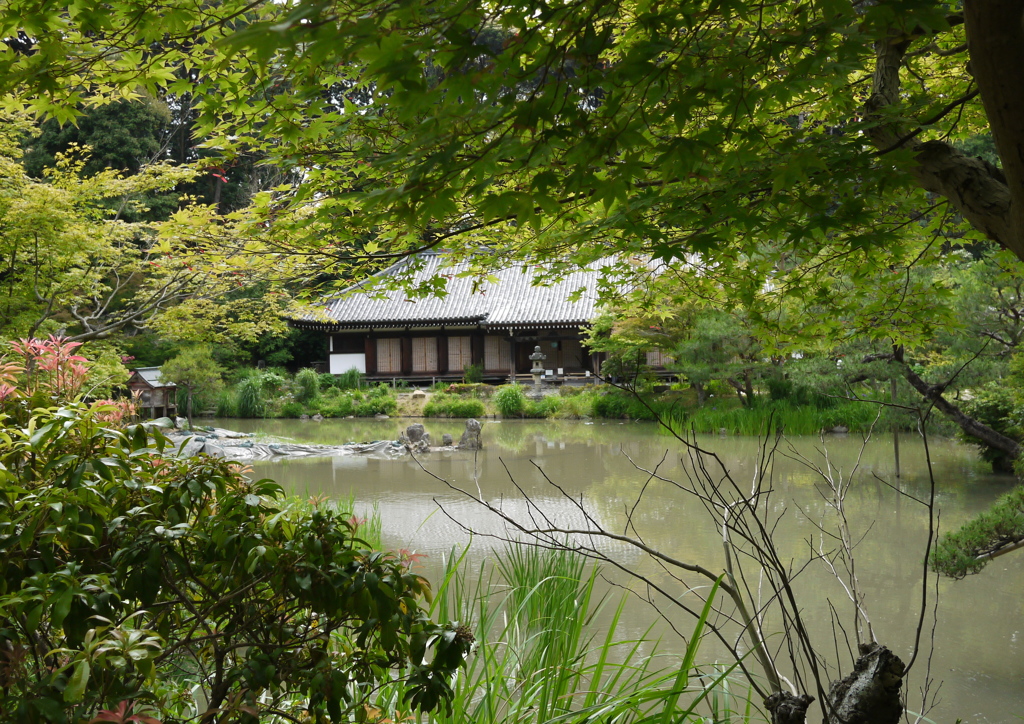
column 151, row 376
column 515, row 300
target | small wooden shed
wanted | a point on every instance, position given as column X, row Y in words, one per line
column 156, row 397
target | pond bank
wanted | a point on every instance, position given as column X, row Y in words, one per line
column 224, row 443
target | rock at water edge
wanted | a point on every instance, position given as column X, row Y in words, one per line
column 471, row 436
column 415, row 432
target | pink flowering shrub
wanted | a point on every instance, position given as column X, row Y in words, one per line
column 39, row 372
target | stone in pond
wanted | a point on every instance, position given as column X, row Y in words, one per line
column 415, row 432
column 471, row 436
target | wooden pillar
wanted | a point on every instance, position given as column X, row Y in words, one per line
column 442, row 353
column 407, row 354
column 370, row 350
column 512, row 358
column 476, row 346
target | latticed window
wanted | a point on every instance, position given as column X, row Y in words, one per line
column 389, row 356
column 424, row 354
column 657, row 358
column 460, row 353
column 497, row 354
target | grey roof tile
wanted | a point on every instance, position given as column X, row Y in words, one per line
column 516, row 299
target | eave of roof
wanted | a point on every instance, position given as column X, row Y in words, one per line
column 513, row 301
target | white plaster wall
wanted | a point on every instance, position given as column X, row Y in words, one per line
column 341, row 363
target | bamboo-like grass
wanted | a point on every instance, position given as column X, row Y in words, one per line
column 538, row 661
column 792, row 419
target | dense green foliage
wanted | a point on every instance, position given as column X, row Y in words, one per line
column 968, row 549
column 307, row 385
column 349, row 380
column 136, row 583
column 197, row 375
column 473, row 374
column 444, row 405
column 510, row 400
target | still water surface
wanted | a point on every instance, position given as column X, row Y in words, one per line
column 979, row 634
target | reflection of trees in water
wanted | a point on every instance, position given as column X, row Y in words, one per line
column 511, row 437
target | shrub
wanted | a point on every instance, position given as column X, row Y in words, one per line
column 351, row 379
column 376, row 406
column 307, row 385
column 133, row 571
column 613, row 406
column 379, row 400
column 622, row 405
column 251, row 400
column 442, row 405
column 510, row 400
column 472, row 374
column 292, row 409
column 577, row 405
column 227, row 403
column 341, row 405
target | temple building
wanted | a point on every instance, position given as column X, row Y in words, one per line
column 494, row 324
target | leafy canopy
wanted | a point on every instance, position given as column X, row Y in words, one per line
column 757, row 135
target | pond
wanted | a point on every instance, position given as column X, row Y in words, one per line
column 978, row 623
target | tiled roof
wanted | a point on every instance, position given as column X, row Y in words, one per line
column 151, row 375
column 514, row 300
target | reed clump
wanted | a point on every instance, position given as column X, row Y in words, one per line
column 539, row 660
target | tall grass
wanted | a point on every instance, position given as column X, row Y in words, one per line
column 792, row 419
column 251, row 400
column 538, row 661
column 307, row 385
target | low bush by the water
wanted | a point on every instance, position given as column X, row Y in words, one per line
column 351, row 379
column 510, row 400
column 444, row 405
column 769, row 416
column 307, row 385
column 269, row 394
column 623, row 405
column 472, row 374
column 251, row 400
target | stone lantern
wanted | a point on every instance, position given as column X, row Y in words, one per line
column 538, row 369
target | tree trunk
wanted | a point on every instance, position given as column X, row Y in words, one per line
column 933, row 393
column 698, row 387
column 990, row 198
column 995, row 39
